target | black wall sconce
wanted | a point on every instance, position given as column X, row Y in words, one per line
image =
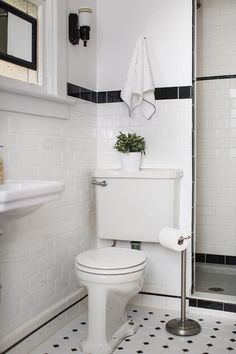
column 79, row 26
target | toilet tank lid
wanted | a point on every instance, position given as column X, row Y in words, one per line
column 111, row 258
column 142, row 174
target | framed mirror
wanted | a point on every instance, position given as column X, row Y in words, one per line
column 18, row 37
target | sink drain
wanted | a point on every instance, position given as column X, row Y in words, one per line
column 216, row 289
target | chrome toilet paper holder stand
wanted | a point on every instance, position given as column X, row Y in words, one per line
column 183, row 326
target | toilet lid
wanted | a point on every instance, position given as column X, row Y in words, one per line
column 111, row 258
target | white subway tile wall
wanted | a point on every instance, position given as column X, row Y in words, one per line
column 216, row 134
column 168, row 145
column 216, row 45
column 216, row 167
column 37, row 252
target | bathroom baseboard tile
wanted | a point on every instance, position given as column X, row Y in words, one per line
column 38, row 337
column 157, row 301
column 226, row 299
column 46, row 324
column 172, row 303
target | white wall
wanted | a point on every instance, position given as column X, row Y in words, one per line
column 37, row 252
column 168, row 133
column 216, row 135
column 81, row 60
column 167, row 24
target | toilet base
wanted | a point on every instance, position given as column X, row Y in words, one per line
column 128, row 329
column 108, row 296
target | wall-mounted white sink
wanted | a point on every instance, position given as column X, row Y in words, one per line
column 18, row 198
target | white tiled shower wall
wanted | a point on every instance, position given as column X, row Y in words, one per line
column 216, row 46
column 216, row 167
column 216, row 136
column 37, row 252
column 168, row 145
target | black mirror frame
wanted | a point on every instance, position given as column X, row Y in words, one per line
column 10, row 58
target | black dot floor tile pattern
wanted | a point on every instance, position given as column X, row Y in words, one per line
column 216, row 337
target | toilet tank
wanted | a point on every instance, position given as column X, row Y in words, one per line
column 135, row 206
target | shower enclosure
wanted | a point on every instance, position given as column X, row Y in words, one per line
column 216, row 150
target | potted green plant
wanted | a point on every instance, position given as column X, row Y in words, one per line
column 131, row 146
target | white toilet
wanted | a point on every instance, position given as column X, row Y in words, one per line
column 126, row 210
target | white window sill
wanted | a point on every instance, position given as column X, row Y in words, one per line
column 30, row 99
column 39, row 94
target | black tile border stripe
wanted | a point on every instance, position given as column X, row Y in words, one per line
column 200, row 303
column 161, row 93
column 166, row 93
column 217, row 77
column 212, row 305
column 215, row 258
column 42, row 325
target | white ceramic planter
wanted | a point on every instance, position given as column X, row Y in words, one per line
column 131, row 161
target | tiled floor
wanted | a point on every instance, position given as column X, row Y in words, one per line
column 218, row 336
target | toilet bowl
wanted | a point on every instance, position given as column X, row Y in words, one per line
column 112, row 277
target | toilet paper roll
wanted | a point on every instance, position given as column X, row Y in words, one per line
column 169, row 238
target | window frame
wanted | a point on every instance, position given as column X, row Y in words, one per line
column 15, row 60
column 52, row 67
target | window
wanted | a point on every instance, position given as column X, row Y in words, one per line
column 45, row 89
column 9, row 69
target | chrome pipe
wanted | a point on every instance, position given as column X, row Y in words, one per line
column 183, row 326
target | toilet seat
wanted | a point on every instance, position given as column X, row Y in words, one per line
column 111, row 261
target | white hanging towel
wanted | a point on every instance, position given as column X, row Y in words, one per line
column 139, row 89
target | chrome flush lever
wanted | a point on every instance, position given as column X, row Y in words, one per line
column 99, row 183
column 181, row 239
